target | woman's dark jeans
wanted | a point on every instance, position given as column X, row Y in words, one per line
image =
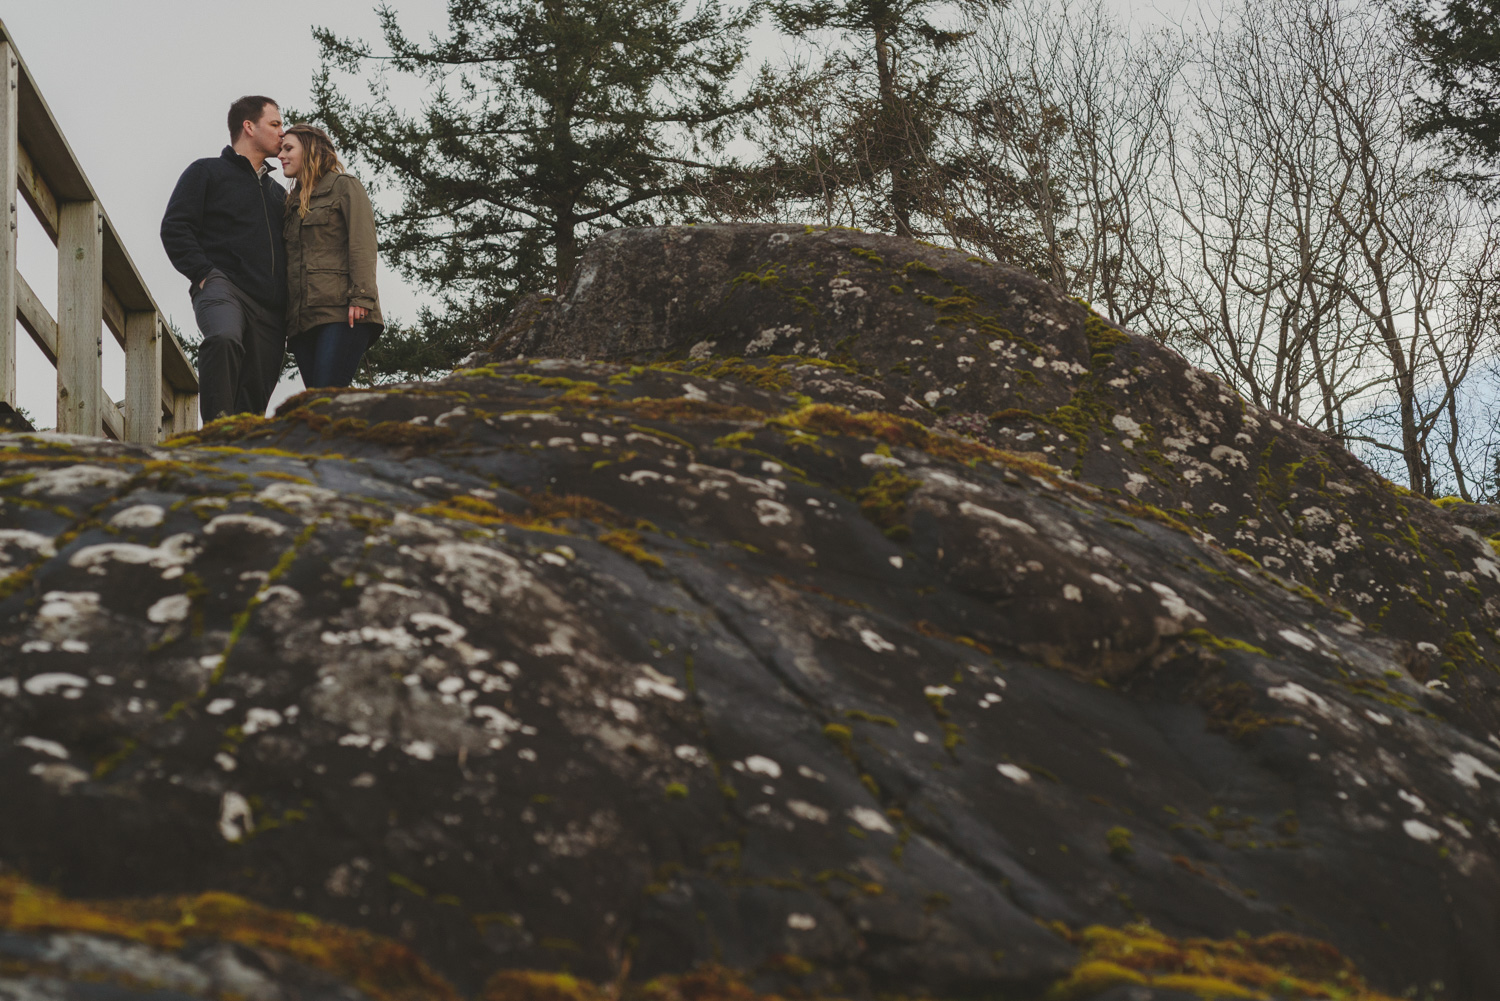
column 328, row 355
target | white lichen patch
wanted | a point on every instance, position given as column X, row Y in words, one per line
column 1420, row 831
column 807, row 811
column 397, row 638
column 759, row 764
column 1015, row 773
column 1296, row 639
column 253, row 523
column 875, row 641
column 422, row 750
column 174, row 552
column 23, row 539
column 870, row 820
column 1469, row 769
column 763, row 340
column 60, row 776
column 801, row 922
column 1177, row 608
column 295, row 495
column 72, row 479
column 1014, row 524
column 694, row 756
column 58, row 606
column 258, row 719
column 1231, row 456
column 952, row 482
column 875, row 459
column 172, row 608
column 69, row 686
column 1316, row 517
column 51, row 748
column 1457, row 827
column 1106, row 583
column 772, row 513
column 1295, row 694
column 496, row 721
column 658, row 684
column 349, row 399
column 235, row 821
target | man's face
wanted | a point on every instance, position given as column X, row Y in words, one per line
column 265, row 135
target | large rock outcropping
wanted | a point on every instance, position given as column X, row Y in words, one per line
column 847, row 612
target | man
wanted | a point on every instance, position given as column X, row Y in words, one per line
column 222, row 229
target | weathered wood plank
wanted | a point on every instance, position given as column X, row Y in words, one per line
column 185, row 413
column 35, row 319
column 112, row 421
column 176, row 368
column 80, row 316
column 38, row 323
column 10, row 68
column 38, row 195
column 142, row 378
column 114, row 314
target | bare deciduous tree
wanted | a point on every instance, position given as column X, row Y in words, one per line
column 1323, row 267
column 1250, row 193
column 1062, row 150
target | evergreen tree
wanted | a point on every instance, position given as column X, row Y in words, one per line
column 895, row 124
column 546, row 122
column 1459, row 48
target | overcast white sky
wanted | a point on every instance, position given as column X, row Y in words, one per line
column 141, row 90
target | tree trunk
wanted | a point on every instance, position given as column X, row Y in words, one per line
column 565, row 244
column 893, row 136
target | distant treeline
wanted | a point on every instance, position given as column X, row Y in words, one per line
column 1298, row 196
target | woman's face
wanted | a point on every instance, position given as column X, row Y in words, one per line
column 291, row 156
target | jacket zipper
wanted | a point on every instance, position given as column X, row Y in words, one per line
column 266, row 212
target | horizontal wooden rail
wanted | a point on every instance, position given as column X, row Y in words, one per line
column 99, row 286
column 37, row 322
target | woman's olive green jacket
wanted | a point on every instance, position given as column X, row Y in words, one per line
column 330, row 255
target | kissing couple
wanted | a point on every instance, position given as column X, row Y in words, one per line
column 272, row 269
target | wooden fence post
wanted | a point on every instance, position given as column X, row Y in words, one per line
column 143, row 377
column 10, row 76
column 185, row 412
column 80, row 317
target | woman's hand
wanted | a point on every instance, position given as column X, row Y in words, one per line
column 357, row 313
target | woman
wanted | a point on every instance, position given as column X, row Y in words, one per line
column 333, row 310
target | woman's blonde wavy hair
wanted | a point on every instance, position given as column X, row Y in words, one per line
column 318, row 158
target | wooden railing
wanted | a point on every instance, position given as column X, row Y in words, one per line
column 97, row 285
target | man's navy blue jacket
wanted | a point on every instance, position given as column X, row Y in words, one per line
column 221, row 215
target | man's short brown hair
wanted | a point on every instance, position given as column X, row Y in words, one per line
column 246, row 109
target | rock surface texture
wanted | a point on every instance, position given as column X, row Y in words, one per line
column 846, row 612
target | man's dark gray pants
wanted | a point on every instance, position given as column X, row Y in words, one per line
column 239, row 362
